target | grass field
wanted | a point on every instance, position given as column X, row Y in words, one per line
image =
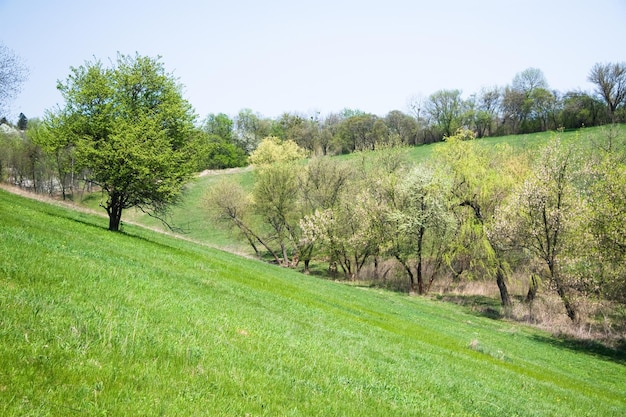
column 94, row 323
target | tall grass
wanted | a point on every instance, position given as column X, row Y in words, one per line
column 137, row 323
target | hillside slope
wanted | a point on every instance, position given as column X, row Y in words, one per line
column 101, row 323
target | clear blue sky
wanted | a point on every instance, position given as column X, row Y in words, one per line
column 326, row 55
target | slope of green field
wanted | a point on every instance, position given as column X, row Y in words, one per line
column 94, row 323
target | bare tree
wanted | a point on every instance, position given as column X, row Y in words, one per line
column 13, row 73
column 610, row 81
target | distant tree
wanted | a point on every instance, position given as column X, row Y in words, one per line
column 446, row 110
column 303, row 130
column 515, row 109
column 529, row 80
column 273, row 150
column 328, row 137
column 610, row 81
column 250, row 129
column 544, row 110
column 22, row 122
column 133, row 132
column 485, row 110
column 580, row 109
column 215, row 152
column 219, row 125
column 403, row 127
column 13, row 73
column 526, row 100
column 362, row 132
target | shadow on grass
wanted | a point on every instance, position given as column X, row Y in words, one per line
column 479, row 305
column 590, row 347
column 489, row 307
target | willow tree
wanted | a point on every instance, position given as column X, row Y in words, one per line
column 132, row 131
column 480, row 181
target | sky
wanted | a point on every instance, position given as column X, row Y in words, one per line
column 308, row 57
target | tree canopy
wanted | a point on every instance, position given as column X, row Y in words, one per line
column 133, row 132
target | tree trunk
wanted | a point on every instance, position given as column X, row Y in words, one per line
column 114, row 209
column 504, row 293
column 533, row 286
column 569, row 307
column 420, row 274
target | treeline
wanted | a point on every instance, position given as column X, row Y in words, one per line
column 553, row 215
column 527, row 105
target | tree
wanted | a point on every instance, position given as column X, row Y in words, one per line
column 529, row 80
column 610, row 81
column 545, row 216
column 133, row 132
column 480, row 182
column 346, row 233
column 526, row 101
column 277, row 202
column 403, row 127
column 229, row 203
column 22, row 122
column 219, row 125
column 607, row 200
column 419, row 226
column 272, row 150
column 250, row 128
column 446, row 108
column 581, row 109
column 361, row 132
column 13, row 73
column 486, row 105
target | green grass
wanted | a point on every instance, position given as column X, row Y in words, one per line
column 94, row 323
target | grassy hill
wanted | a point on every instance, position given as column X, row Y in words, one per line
column 100, row 323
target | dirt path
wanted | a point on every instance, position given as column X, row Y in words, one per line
column 50, row 200
column 225, row 171
column 100, row 213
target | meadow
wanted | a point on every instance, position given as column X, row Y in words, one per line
column 95, row 323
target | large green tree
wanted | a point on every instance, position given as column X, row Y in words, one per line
column 133, row 132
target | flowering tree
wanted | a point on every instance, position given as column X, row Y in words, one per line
column 346, row 233
column 546, row 214
column 419, row 226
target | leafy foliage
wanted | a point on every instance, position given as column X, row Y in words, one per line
column 132, row 131
column 273, row 150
